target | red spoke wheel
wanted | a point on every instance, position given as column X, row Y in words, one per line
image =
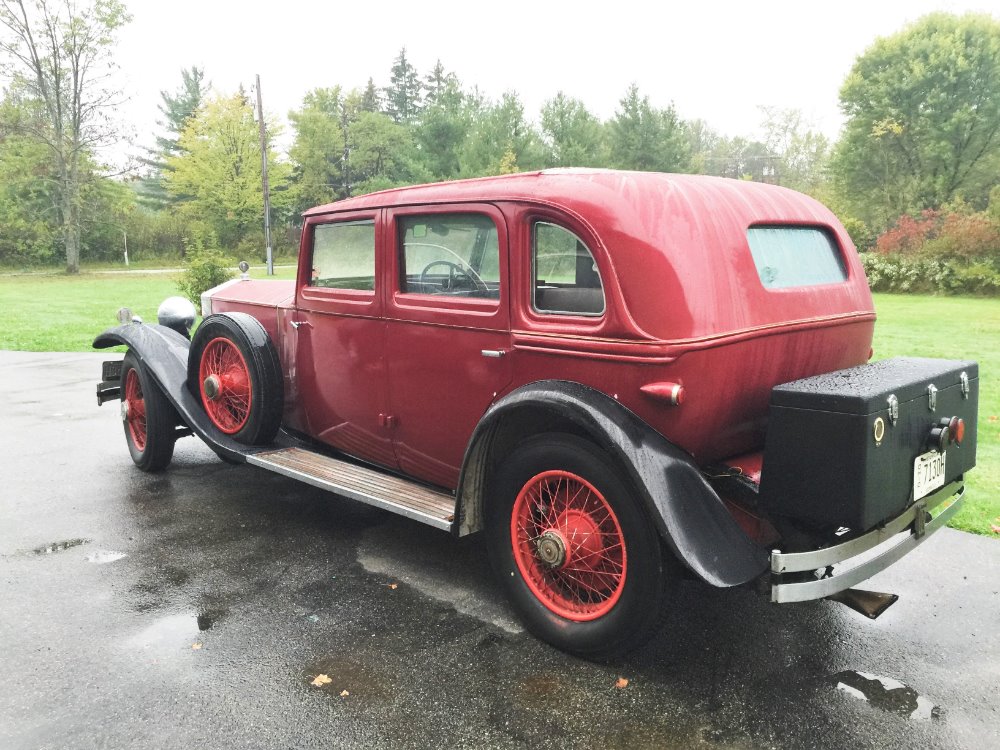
column 574, row 548
column 149, row 419
column 568, row 545
column 135, row 409
column 233, row 369
column 225, row 385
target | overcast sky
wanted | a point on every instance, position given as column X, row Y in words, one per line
column 718, row 61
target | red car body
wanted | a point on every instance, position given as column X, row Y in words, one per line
column 612, row 374
column 399, row 378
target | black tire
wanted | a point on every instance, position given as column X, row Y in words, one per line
column 618, row 621
column 249, row 407
column 149, row 419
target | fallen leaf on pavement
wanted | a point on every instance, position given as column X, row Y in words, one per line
column 621, row 683
column 195, row 646
column 321, row 680
column 344, row 694
column 393, row 586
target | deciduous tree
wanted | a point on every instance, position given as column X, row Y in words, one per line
column 60, row 56
column 923, row 118
column 217, row 172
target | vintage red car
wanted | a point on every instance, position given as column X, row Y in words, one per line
column 620, row 378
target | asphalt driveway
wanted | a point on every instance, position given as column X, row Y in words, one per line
column 198, row 607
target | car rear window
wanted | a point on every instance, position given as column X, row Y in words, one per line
column 795, row 256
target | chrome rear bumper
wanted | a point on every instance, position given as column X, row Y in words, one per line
column 910, row 528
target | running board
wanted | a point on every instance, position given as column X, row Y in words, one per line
column 365, row 485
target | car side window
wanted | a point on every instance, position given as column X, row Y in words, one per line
column 344, row 255
column 451, row 254
column 566, row 279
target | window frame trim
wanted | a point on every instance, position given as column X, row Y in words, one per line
column 532, row 285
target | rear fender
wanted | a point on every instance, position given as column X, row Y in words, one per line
column 164, row 353
column 690, row 516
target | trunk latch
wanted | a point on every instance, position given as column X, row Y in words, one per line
column 964, row 378
column 893, row 408
column 932, row 397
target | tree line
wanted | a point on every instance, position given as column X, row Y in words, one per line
column 922, row 132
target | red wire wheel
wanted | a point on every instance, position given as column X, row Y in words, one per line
column 568, row 545
column 135, row 410
column 226, row 390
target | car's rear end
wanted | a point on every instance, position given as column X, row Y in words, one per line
column 765, row 310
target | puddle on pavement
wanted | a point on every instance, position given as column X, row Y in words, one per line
column 167, row 632
column 104, row 556
column 887, row 694
column 344, row 674
column 48, row 549
column 175, row 631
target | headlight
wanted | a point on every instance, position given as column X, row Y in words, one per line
column 177, row 313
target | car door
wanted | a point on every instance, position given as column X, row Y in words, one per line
column 447, row 331
column 339, row 337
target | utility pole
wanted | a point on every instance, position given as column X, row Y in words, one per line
column 263, row 174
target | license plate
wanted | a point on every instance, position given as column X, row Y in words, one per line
column 111, row 370
column 928, row 473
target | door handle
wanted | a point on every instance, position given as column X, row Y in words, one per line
column 296, row 323
column 493, row 353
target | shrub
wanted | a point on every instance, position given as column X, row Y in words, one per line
column 898, row 273
column 957, row 232
column 205, row 266
column 859, row 232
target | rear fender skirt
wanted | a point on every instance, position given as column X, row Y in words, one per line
column 690, row 516
column 164, row 352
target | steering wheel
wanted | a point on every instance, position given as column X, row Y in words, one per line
column 454, row 271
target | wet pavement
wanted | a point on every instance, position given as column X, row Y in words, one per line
column 198, row 607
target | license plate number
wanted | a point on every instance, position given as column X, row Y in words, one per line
column 928, row 473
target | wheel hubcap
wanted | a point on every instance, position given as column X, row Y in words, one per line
column 551, row 549
column 212, row 386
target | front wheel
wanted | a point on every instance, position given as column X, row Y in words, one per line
column 574, row 549
column 148, row 417
column 233, row 368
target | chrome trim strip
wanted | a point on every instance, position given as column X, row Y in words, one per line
column 792, row 562
column 784, row 593
column 378, row 502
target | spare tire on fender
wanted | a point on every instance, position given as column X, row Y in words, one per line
column 233, row 369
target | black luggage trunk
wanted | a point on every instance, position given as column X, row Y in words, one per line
column 834, row 455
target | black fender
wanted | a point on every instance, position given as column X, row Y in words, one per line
column 164, row 353
column 691, row 518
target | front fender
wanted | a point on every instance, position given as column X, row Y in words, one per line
column 164, row 353
column 690, row 516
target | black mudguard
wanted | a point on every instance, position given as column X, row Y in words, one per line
column 689, row 515
column 164, row 352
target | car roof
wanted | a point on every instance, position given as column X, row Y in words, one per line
column 677, row 243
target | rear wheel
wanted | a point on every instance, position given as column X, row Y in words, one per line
column 147, row 416
column 574, row 549
column 233, row 368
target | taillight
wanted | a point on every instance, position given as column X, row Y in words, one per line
column 946, row 432
column 956, row 428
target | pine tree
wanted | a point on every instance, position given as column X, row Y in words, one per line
column 177, row 109
column 402, row 95
column 371, row 100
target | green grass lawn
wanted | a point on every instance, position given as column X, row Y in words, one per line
column 60, row 313
column 955, row 328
